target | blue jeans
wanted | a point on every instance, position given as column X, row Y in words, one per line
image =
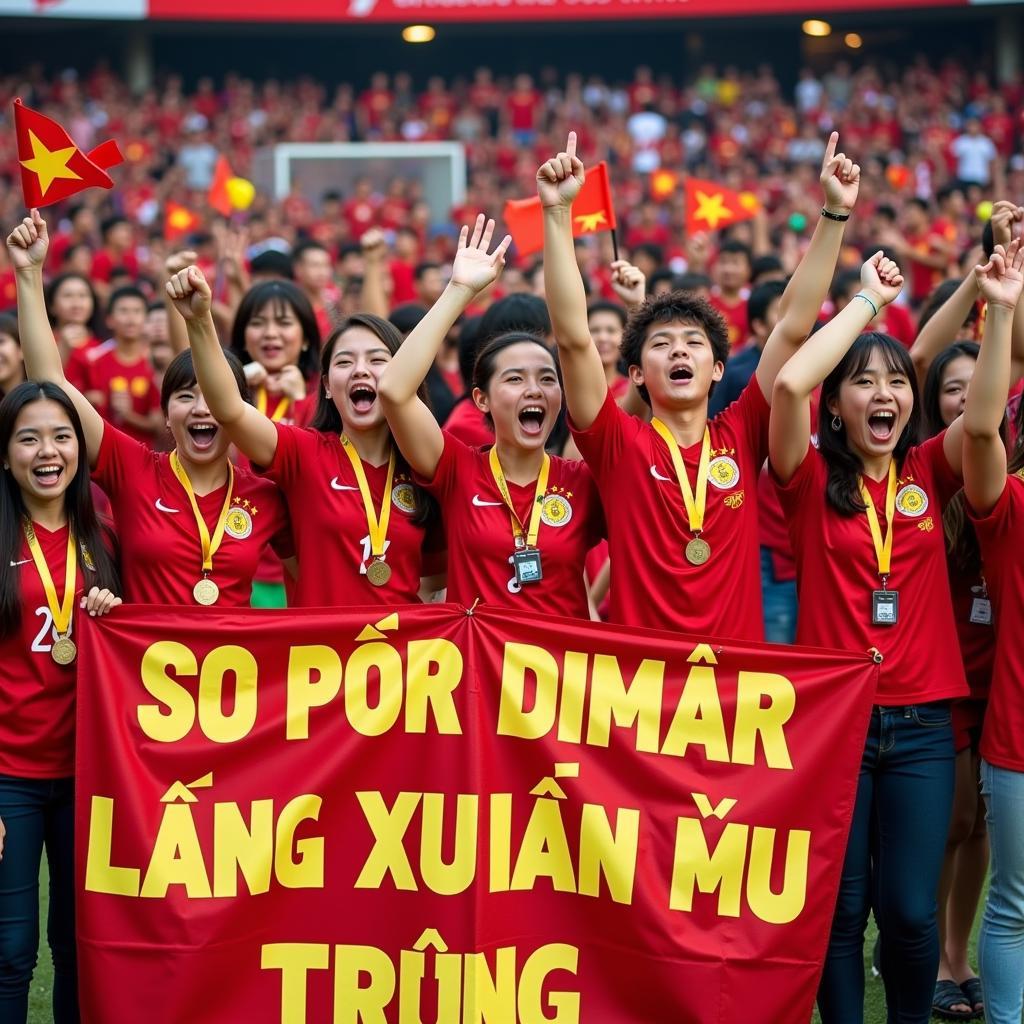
column 37, row 813
column 1001, row 946
column 892, row 865
column 778, row 603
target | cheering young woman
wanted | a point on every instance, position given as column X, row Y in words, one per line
column 192, row 527
column 519, row 521
column 52, row 551
column 865, row 516
column 359, row 522
column 995, row 496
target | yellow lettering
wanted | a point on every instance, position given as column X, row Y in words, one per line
column 639, row 704
column 294, row 960
column 173, row 724
column 177, row 857
column 240, row 847
column 608, row 852
column 304, row 870
column 434, row 674
column 695, row 867
column 388, row 855
column 753, row 720
column 383, row 661
column 314, row 679
column 698, row 718
column 216, row 725
column 783, row 907
column 456, row 876
column 544, row 850
column 100, row 874
column 556, row 956
column 513, row 717
column 362, row 1004
column 490, row 998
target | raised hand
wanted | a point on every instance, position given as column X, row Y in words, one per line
column 560, row 179
column 629, row 283
column 374, row 245
column 840, row 178
column 881, row 278
column 28, row 243
column 474, row 268
column 1004, row 216
column 1001, row 279
column 288, row 381
column 190, row 293
column 178, row 261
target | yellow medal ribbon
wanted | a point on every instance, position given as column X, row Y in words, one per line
column 883, row 548
column 377, row 526
column 533, row 529
column 61, row 612
column 696, row 503
column 282, row 406
column 209, row 544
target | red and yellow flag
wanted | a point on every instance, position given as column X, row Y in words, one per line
column 179, row 221
column 710, row 206
column 52, row 166
column 219, row 196
column 592, row 211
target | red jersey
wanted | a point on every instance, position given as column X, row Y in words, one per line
column 77, row 368
column 105, row 374
column 735, row 314
column 161, row 555
column 481, row 542
column 104, row 262
column 469, row 425
column 977, row 639
column 923, row 279
column 653, row 584
column 999, row 533
column 837, row 572
column 37, row 696
column 331, row 535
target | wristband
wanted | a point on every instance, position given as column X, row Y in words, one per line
column 834, row 216
column 861, row 295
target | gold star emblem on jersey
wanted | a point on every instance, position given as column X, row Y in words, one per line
column 404, row 497
column 238, row 523
column 555, row 510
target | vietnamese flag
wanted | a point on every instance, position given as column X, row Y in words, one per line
column 592, row 211
column 710, row 206
column 218, row 196
column 52, row 166
column 179, row 221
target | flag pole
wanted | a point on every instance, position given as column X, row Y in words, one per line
column 615, row 245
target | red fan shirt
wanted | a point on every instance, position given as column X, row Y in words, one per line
column 106, row 374
column 161, row 554
column 735, row 314
column 653, row 584
column 999, row 533
column 469, row 425
column 481, row 542
column 332, row 538
column 37, row 696
column 837, row 571
column 977, row 639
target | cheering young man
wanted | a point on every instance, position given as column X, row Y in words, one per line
column 680, row 492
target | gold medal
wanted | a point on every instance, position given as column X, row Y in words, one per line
column 378, row 572
column 206, row 592
column 698, row 551
column 63, row 650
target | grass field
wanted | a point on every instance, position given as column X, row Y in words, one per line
column 42, row 984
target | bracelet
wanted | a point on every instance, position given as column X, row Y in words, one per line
column 834, row 216
column 861, row 295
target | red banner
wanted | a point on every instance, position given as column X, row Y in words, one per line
column 482, row 818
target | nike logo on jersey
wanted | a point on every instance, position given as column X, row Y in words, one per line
column 24, row 561
column 658, row 476
column 161, row 507
column 342, row 487
column 483, row 504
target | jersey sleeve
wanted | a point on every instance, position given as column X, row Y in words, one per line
column 454, row 465
column 295, row 447
column 1003, row 520
column 121, row 459
column 944, row 480
column 604, row 441
column 748, row 418
column 809, row 476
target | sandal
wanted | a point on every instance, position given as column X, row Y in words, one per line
column 947, row 995
column 971, row 989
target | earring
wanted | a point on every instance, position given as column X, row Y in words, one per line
column 837, row 423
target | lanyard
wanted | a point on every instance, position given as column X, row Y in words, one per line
column 61, row 612
column 538, row 501
column 696, row 505
column 283, row 405
column 883, row 548
column 377, row 526
column 209, row 545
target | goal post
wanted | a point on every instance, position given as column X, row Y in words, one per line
column 319, row 167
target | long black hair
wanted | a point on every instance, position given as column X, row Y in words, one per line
column 844, row 465
column 279, row 294
column 930, row 408
column 327, row 419
column 96, row 542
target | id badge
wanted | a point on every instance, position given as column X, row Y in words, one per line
column 885, row 607
column 526, row 564
column 981, row 611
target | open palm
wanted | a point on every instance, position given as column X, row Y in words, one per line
column 475, row 268
column 1001, row 279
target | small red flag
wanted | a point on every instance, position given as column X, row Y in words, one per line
column 52, row 166
column 710, row 206
column 179, row 221
column 592, row 211
column 218, row 196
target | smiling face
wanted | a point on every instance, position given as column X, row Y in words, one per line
column 956, row 377
column 273, row 336
column 43, row 452
column 356, row 363
column 72, row 302
column 522, row 395
column 875, row 406
column 677, row 365
column 196, row 434
column 606, row 330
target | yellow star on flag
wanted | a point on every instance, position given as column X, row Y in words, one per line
column 591, row 221
column 48, row 165
column 712, row 209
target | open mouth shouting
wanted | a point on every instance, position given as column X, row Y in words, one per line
column 531, row 420
column 48, row 475
column 362, row 396
column 203, row 435
column 681, row 374
column 882, row 424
